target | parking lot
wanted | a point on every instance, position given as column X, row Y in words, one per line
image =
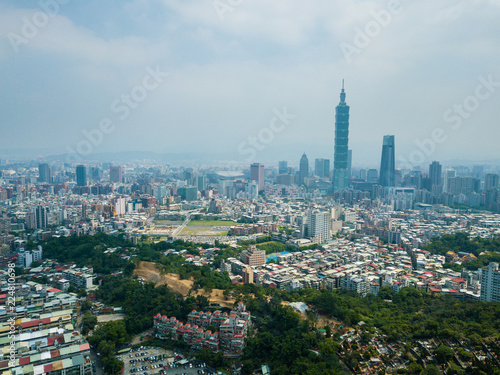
column 180, row 370
column 139, row 361
column 158, row 361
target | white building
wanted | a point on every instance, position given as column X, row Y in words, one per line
column 318, row 226
column 26, row 258
column 490, row 283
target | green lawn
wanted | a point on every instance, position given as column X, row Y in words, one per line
column 211, row 223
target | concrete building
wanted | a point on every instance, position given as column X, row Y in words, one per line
column 322, row 167
column 303, row 169
column 247, row 274
column 341, row 154
column 115, row 174
column 81, row 175
column 318, row 225
column 490, row 283
column 253, row 256
column 79, row 278
column 387, row 163
column 257, row 174
column 26, row 257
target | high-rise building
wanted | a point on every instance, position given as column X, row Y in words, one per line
column 201, row 182
column 436, row 180
column 26, row 257
column 490, row 283
column 349, row 163
column 95, row 174
column 84, row 210
column 387, row 164
column 247, row 274
column 283, row 167
column 449, row 173
column 257, row 174
column 253, row 256
column 41, row 217
column 463, row 185
column 44, row 173
column 285, row 179
column 372, row 176
column 341, row 151
column 303, row 168
column 491, row 181
column 81, row 175
column 252, row 190
column 188, row 193
column 322, row 167
column 115, row 174
column 318, row 225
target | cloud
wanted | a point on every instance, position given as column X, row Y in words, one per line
column 228, row 75
column 60, row 37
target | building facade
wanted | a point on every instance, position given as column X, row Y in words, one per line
column 341, row 151
column 490, row 283
column 257, row 174
column 387, row 163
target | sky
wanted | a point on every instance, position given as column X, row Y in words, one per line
column 252, row 80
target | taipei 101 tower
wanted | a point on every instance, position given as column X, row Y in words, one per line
column 340, row 178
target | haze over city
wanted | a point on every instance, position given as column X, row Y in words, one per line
column 249, row 187
column 226, row 69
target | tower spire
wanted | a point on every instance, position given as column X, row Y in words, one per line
column 342, row 94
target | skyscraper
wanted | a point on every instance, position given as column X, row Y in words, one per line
column 387, row 164
column 491, row 181
column 41, row 218
column 322, row 167
column 349, row 163
column 257, row 174
column 44, row 173
column 115, row 174
column 81, row 175
column 303, row 168
column 340, row 158
column 201, row 182
column 283, row 167
column 435, row 169
column 449, row 173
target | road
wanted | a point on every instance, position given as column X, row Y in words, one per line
column 186, row 222
column 94, row 357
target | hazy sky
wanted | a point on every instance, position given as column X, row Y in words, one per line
column 235, row 64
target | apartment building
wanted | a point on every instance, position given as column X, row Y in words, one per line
column 232, row 329
column 490, row 283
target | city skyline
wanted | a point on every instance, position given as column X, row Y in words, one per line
column 181, row 187
column 52, row 88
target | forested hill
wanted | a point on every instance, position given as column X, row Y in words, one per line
column 486, row 250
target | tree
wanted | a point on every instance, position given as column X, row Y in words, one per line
column 453, row 369
column 88, row 323
column 328, row 331
column 72, row 289
column 431, row 370
column 414, row 368
column 444, row 353
column 86, row 306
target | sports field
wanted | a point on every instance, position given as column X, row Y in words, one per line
column 211, row 223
